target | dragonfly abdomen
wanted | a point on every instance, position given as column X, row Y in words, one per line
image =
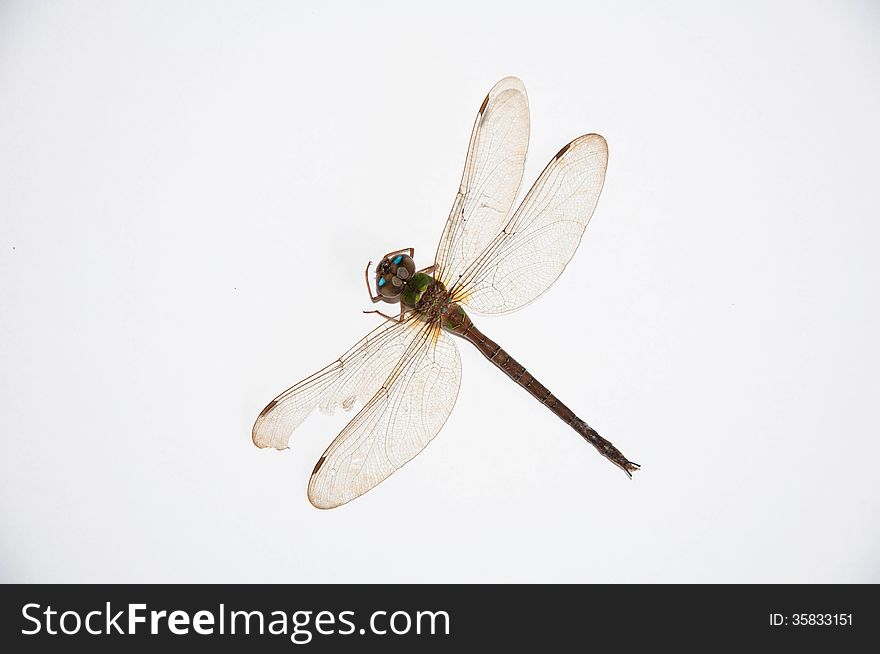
column 457, row 322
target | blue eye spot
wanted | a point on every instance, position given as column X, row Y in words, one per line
column 381, row 282
column 397, row 259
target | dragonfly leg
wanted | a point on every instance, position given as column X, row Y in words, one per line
column 429, row 269
column 373, row 299
column 411, row 252
column 387, row 317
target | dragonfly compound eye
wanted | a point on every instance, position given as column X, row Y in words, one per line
column 386, row 287
column 403, row 266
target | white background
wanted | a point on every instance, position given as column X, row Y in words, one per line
column 189, row 193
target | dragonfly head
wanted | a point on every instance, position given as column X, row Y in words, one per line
column 392, row 274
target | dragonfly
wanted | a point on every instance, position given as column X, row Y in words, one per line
column 405, row 373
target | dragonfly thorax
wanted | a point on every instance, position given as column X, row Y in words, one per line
column 392, row 275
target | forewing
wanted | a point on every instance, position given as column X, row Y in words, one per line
column 395, row 425
column 532, row 250
column 353, row 377
column 492, row 175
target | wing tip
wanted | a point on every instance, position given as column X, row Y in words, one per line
column 509, row 83
column 314, row 499
column 319, row 502
column 598, row 138
column 321, row 507
column 262, row 441
column 256, row 435
column 595, row 138
column 592, row 137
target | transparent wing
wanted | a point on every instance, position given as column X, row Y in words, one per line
column 353, row 377
column 492, row 175
column 395, row 425
column 526, row 257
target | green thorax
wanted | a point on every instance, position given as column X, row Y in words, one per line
column 432, row 301
column 415, row 288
